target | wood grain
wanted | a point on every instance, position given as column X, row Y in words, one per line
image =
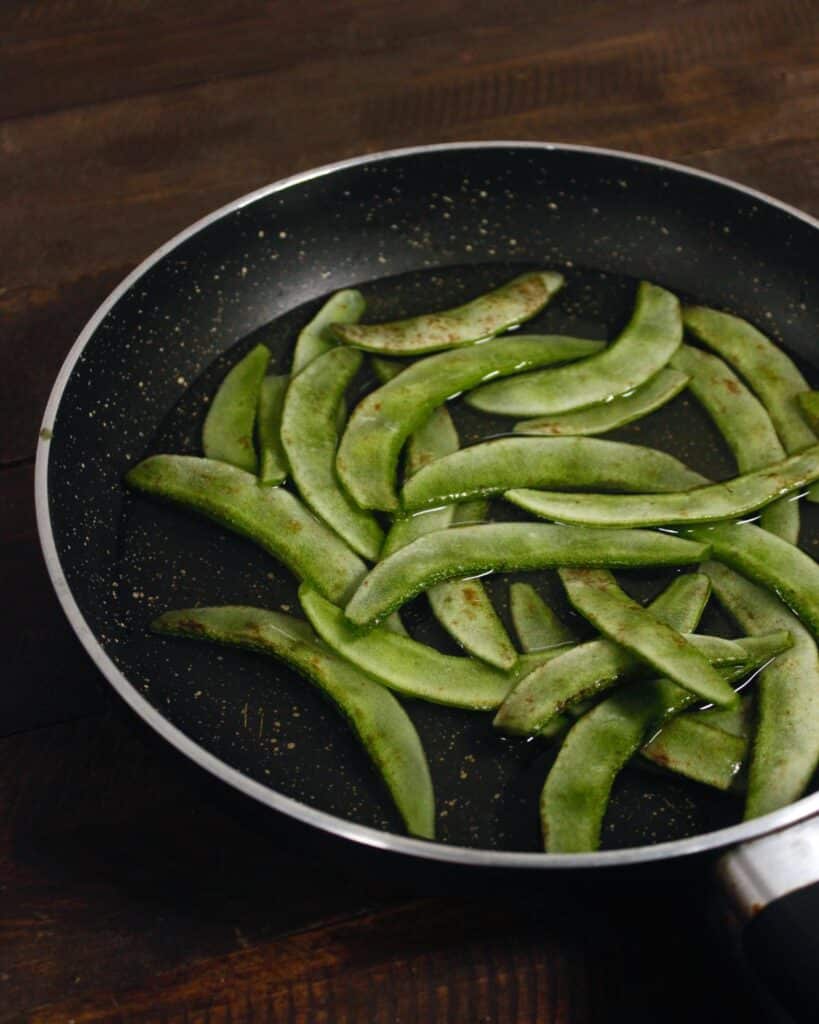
column 132, row 889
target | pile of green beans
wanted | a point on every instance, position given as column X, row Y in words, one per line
column 327, row 493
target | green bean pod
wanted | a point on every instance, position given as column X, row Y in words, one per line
column 596, row 595
column 310, row 439
column 412, row 668
column 745, row 425
column 642, row 349
column 484, row 317
column 470, row 550
column 768, row 560
column 575, row 463
column 381, row 724
column 785, row 748
column 605, row 416
column 270, row 516
column 316, row 338
column 227, row 434
column 536, row 625
column 728, row 500
column 809, row 404
column 770, row 372
column 702, row 752
column 368, row 454
column 272, row 459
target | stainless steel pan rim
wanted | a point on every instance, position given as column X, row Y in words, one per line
column 802, row 809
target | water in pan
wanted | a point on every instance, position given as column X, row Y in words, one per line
column 261, row 718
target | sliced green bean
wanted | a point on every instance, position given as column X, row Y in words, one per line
column 744, row 423
column 368, row 454
column 769, row 371
column 535, row 623
column 316, row 338
column 415, row 669
column 227, row 434
column 591, row 668
column 576, row 793
column 766, row 559
column 272, row 459
column 310, row 439
column 605, row 416
column 728, row 500
column 484, row 317
column 785, row 748
column 381, row 724
column 809, row 404
column 270, row 516
column 641, row 350
column 702, row 752
column 575, row 463
column 595, row 594
column 469, row 550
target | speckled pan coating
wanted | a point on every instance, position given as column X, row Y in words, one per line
column 457, row 220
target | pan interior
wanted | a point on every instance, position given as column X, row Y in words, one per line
column 260, row 273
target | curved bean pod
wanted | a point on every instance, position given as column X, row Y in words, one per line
column 576, row 463
column 785, row 748
column 469, row 550
column 745, row 425
column 728, row 500
column 642, row 349
column 381, row 724
column 768, row 560
column 310, row 439
column 484, row 317
column 272, row 460
column 535, row 623
column 227, row 434
column 270, row 516
column 770, row 372
column 596, row 595
column 411, row 668
column 368, row 453
column 316, row 338
column 605, row 416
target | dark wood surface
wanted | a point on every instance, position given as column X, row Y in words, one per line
column 129, row 889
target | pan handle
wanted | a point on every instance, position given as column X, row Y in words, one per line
column 772, row 885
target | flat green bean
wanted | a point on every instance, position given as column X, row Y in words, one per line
column 769, row 371
column 702, row 752
column 595, row 594
column 785, row 748
column 412, row 668
column 574, row 463
column 270, row 516
column 469, row 550
column 310, row 439
column 227, row 434
column 368, row 455
column 381, row 724
column 316, row 338
column 641, row 350
column 484, row 317
column 272, row 459
column 605, row 416
column 744, row 423
column 728, row 500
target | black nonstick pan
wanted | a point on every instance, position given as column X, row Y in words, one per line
column 415, row 230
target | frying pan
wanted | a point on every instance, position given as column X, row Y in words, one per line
column 416, row 229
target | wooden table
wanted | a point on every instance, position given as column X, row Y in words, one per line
column 129, row 890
